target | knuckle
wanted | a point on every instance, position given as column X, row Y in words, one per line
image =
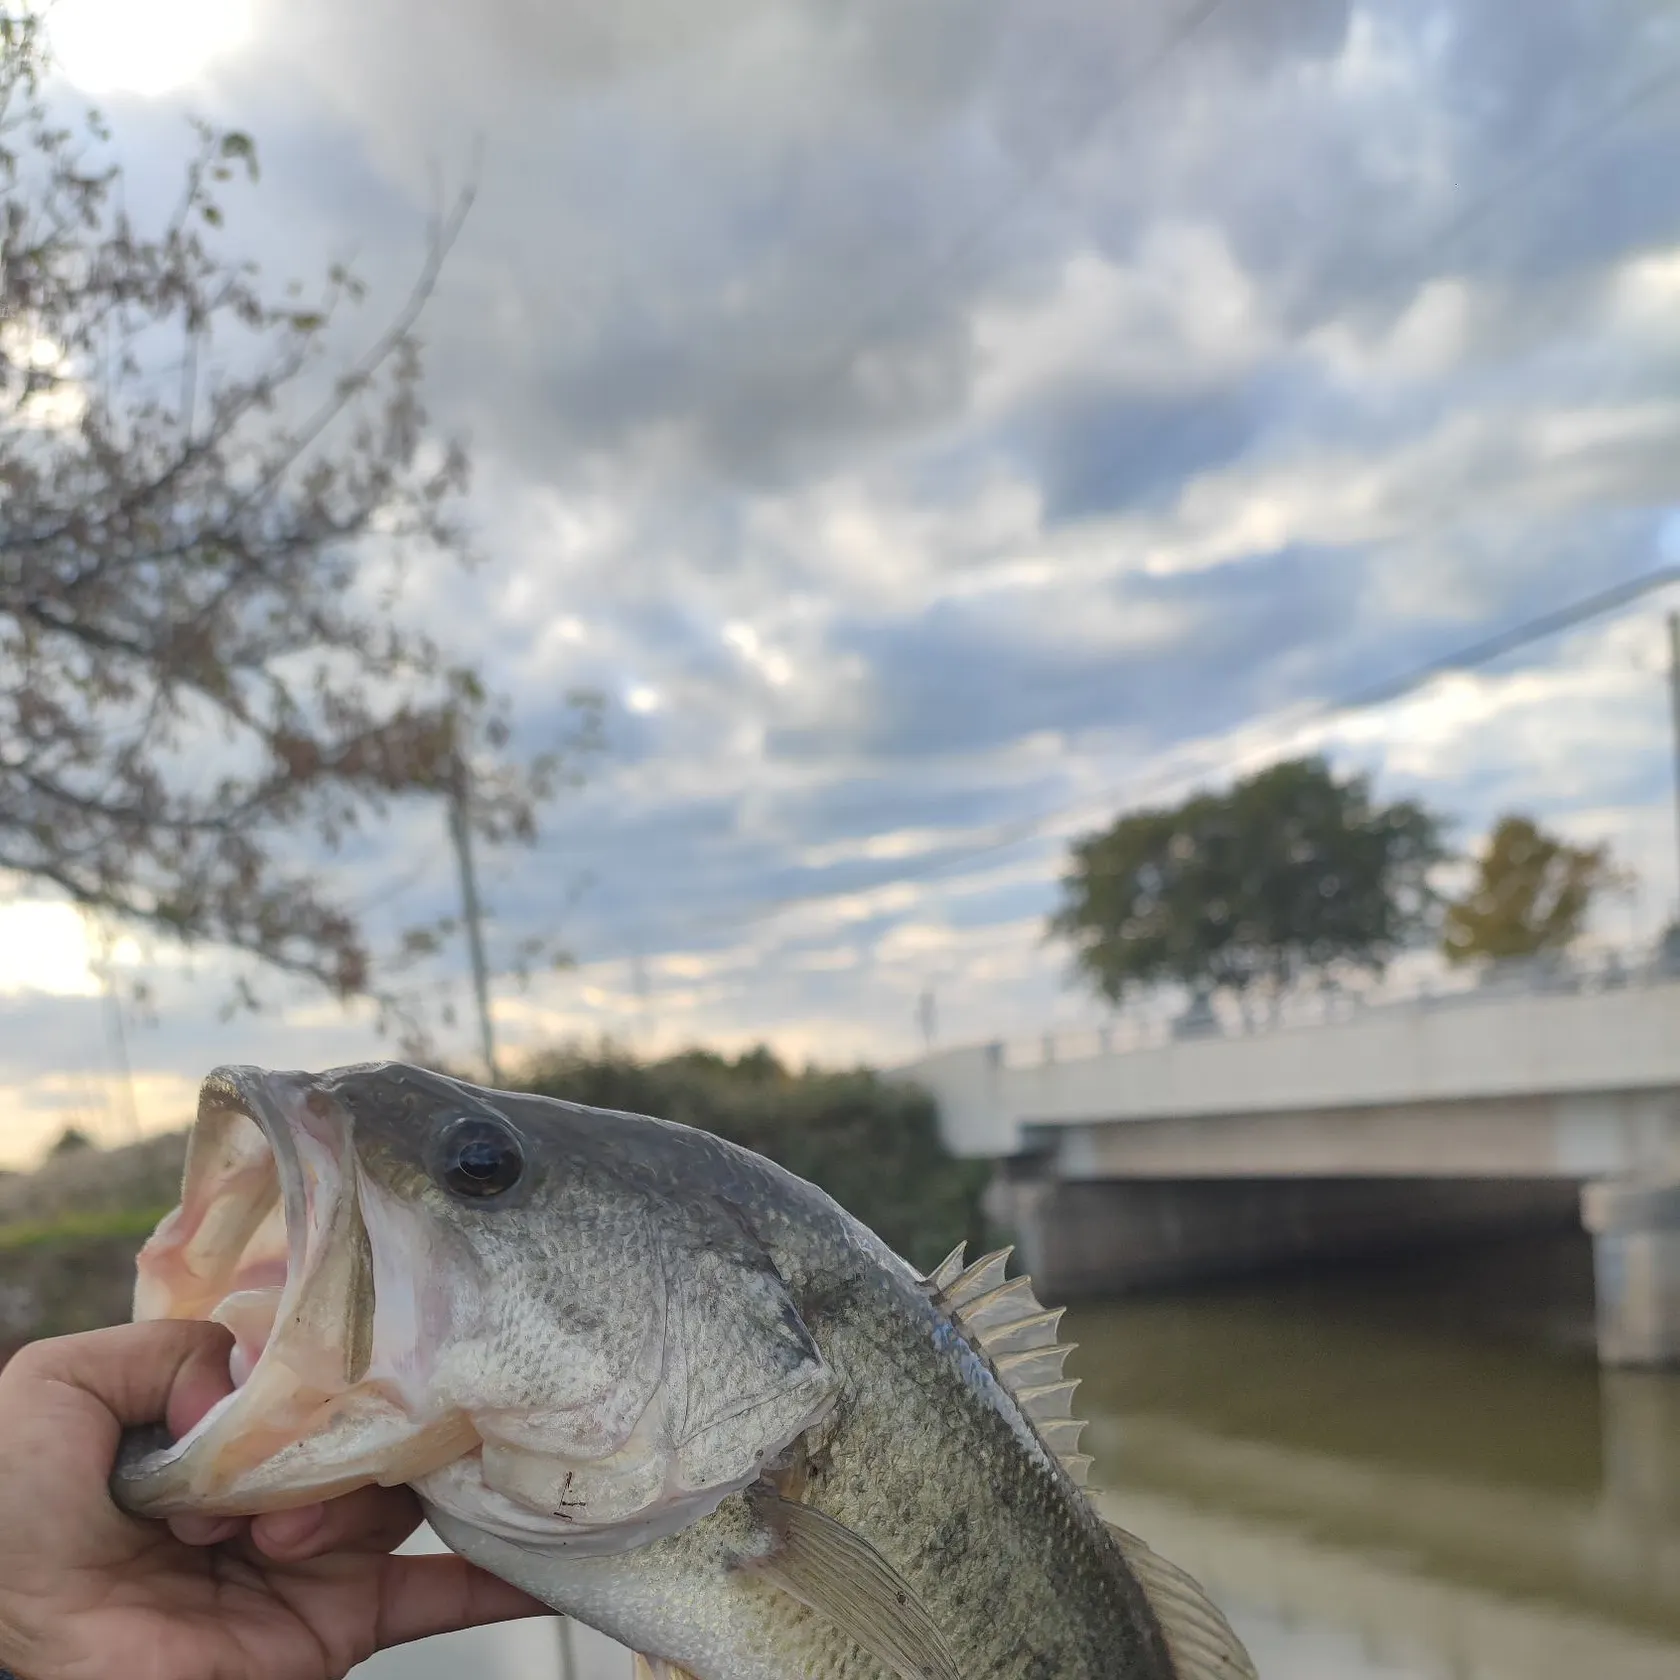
column 32, row 1362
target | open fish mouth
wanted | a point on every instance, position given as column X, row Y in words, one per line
column 271, row 1240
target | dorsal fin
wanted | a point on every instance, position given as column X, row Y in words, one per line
column 1199, row 1640
column 1010, row 1327
column 979, row 1279
column 947, row 1271
column 1017, row 1338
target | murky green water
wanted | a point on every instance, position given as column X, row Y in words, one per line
column 1413, row 1474
column 1382, row 1478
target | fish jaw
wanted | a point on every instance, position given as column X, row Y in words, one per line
column 271, row 1239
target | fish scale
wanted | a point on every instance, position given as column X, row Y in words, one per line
column 931, row 1459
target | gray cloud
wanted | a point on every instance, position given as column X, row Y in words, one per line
column 922, row 419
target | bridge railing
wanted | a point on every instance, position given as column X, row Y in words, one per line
column 1175, row 1016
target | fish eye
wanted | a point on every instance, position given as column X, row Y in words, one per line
column 479, row 1158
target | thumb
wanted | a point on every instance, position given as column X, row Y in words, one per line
column 169, row 1371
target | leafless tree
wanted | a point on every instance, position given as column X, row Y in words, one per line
column 199, row 689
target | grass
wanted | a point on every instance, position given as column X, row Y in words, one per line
column 136, row 1223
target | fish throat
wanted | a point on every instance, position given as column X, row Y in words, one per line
column 271, row 1240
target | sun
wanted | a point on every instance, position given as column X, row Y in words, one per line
column 145, row 47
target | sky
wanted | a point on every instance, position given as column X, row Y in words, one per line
column 934, row 429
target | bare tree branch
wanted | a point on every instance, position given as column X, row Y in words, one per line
column 195, row 689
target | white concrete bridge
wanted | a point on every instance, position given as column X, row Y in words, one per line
column 1426, row 1119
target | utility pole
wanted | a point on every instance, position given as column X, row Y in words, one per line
column 460, row 833
column 927, row 1017
column 1674, row 703
column 116, row 1031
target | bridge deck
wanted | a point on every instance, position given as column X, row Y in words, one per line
column 1572, row 1085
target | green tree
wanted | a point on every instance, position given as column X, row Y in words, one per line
column 200, row 678
column 1531, row 894
column 1290, row 871
column 1668, row 947
column 873, row 1145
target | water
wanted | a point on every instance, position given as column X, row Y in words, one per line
column 1410, row 1474
column 1383, row 1478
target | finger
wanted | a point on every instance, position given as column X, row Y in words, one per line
column 193, row 1530
column 202, row 1383
column 422, row 1596
column 373, row 1519
column 158, row 1372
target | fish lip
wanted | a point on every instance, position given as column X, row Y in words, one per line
column 244, row 1090
column 160, row 1482
column 254, row 1093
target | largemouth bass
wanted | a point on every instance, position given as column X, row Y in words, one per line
column 653, row 1379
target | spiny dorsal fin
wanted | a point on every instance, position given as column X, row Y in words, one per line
column 1034, row 1365
column 979, row 1279
column 1078, row 1466
column 1199, row 1639
column 1005, row 1320
column 1018, row 1338
column 1050, row 1400
column 947, row 1271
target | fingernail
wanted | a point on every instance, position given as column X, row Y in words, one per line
column 286, row 1530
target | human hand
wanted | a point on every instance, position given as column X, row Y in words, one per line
column 90, row 1593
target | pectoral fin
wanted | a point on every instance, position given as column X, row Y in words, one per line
column 1201, row 1641
column 838, row 1574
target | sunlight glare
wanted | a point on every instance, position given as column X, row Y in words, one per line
column 104, row 47
column 44, row 947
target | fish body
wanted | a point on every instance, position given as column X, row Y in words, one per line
column 653, row 1379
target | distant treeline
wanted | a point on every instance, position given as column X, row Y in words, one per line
column 69, row 1233
column 871, row 1143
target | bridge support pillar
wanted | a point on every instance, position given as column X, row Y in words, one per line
column 1635, row 1226
column 1641, row 1413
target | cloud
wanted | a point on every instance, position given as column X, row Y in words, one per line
column 931, row 427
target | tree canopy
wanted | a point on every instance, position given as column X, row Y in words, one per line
column 1290, row 871
column 1531, row 895
column 202, row 687
column 871, row 1143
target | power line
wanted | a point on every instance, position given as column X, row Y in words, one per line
column 1545, row 162
column 1017, row 832
column 1021, row 830
column 1508, row 641
column 1480, row 653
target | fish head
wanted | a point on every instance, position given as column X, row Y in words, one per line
column 488, row 1295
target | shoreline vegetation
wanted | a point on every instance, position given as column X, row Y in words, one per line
column 70, row 1230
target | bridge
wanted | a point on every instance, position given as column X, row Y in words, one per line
column 1528, row 1103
